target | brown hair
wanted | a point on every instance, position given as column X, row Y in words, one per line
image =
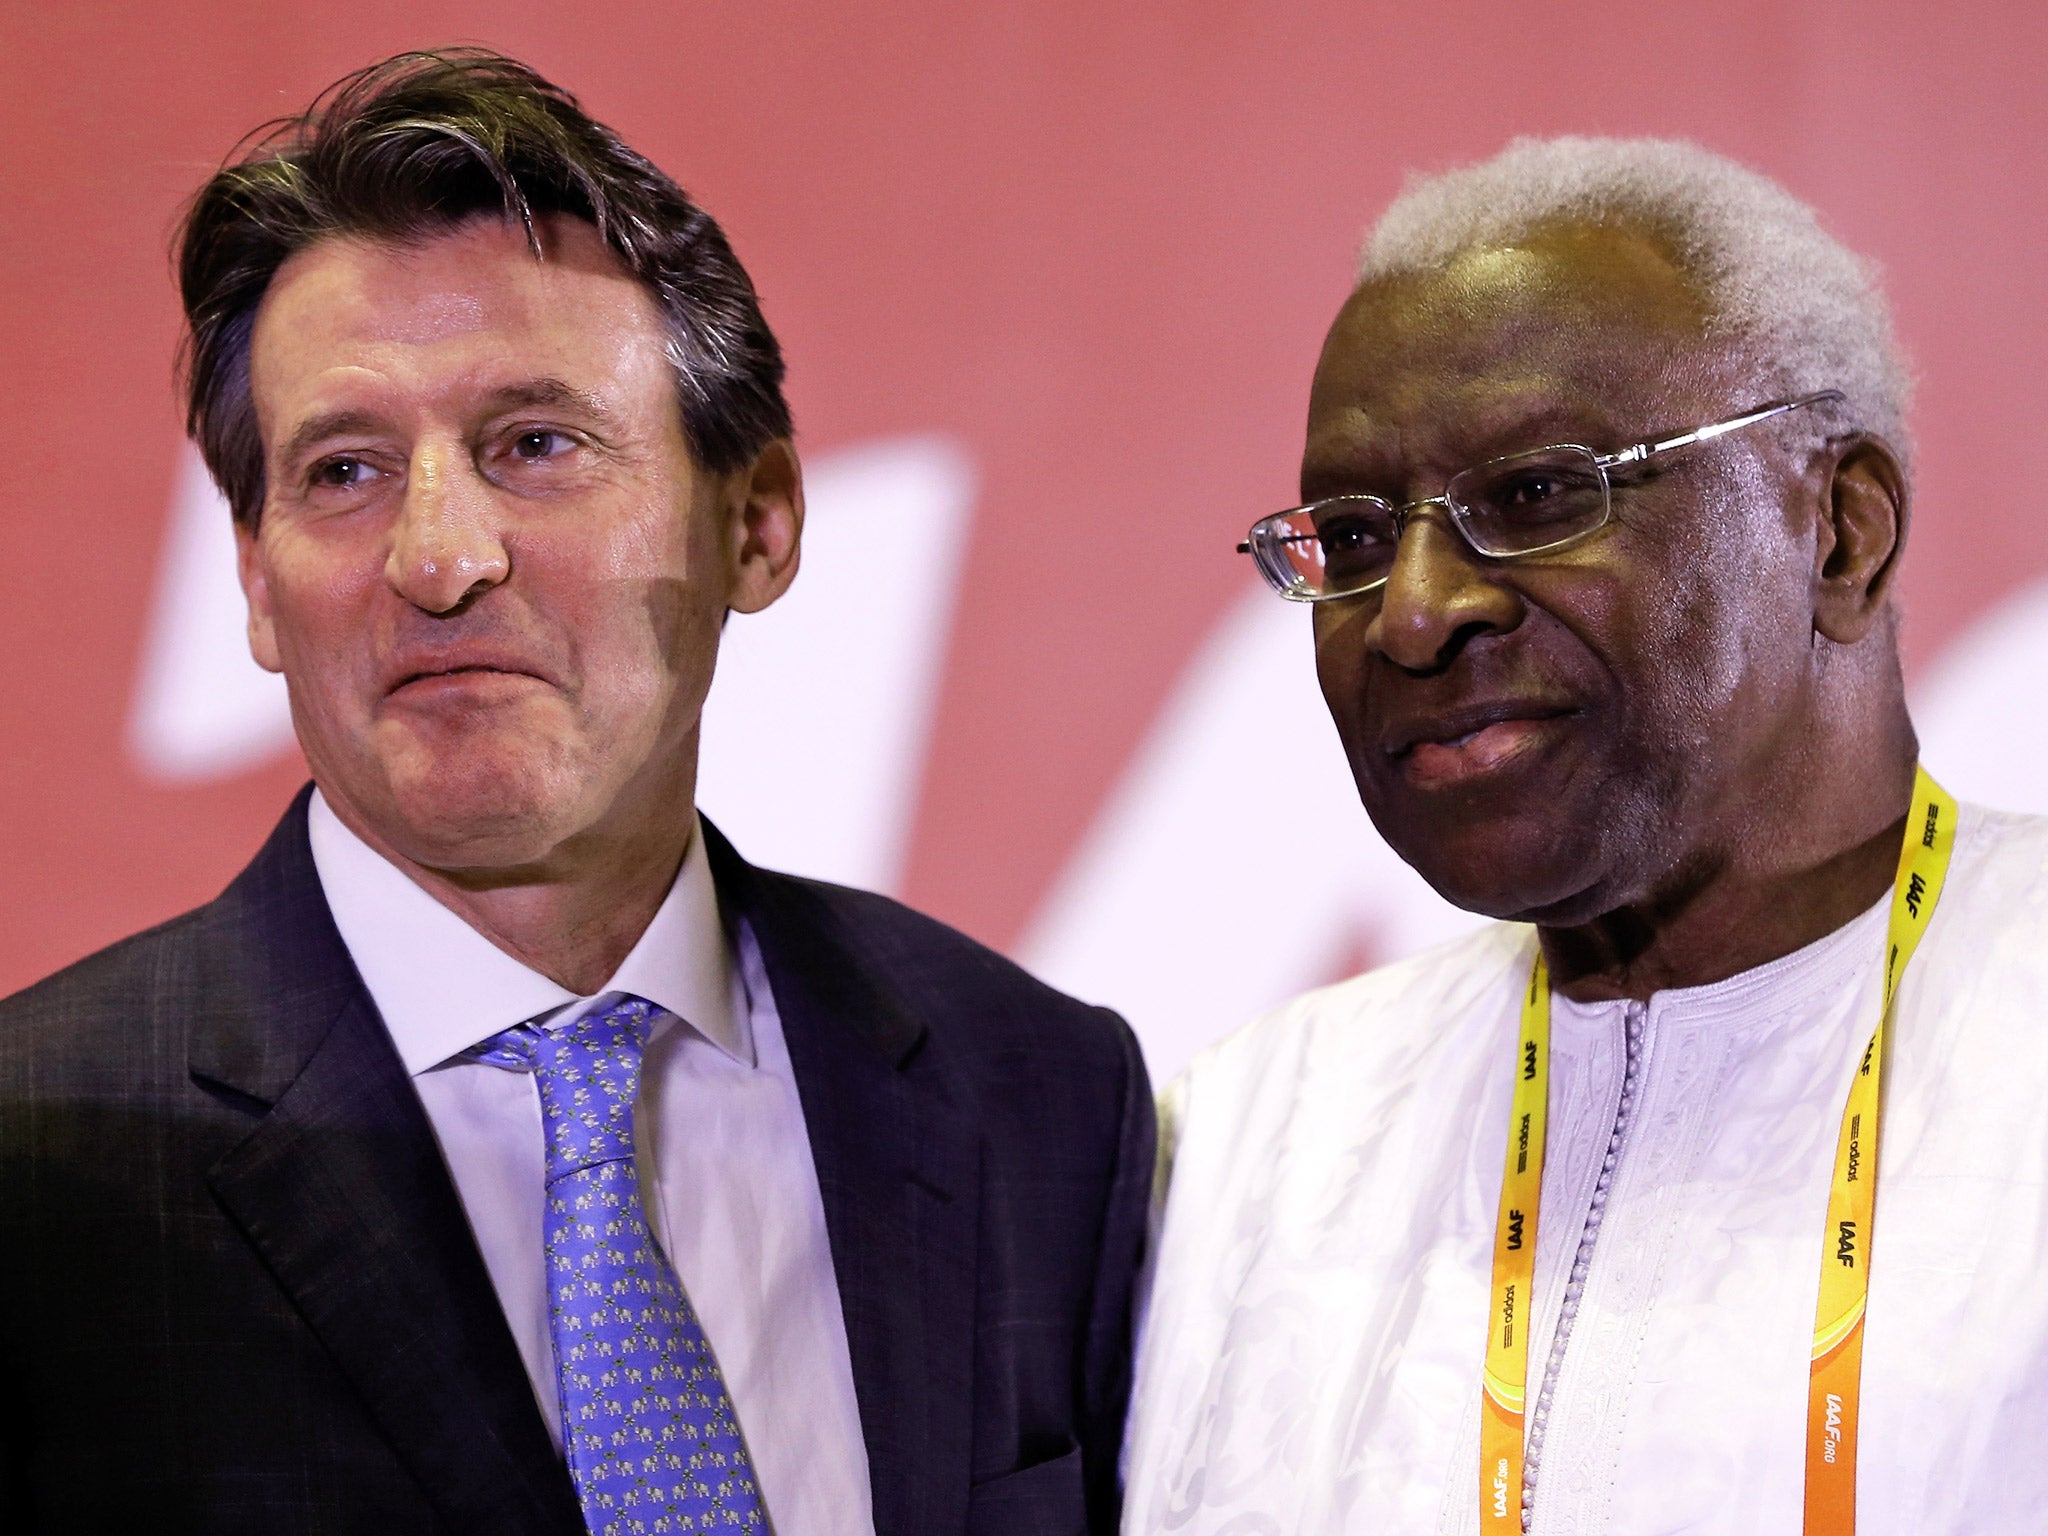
column 408, row 148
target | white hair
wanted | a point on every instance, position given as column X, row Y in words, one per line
column 1775, row 284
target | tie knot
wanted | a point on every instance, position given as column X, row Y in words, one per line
column 588, row 1074
column 619, row 1032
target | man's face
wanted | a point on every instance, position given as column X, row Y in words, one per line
column 1555, row 737
column 487, row 563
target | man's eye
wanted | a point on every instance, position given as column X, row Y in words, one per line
column 1530, row 488
column 342, row 473
column 1351, row 535
column 538, row 443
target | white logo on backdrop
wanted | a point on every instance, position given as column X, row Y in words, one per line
column 1233, row 866
column 1230, row 868
column 203, row 708
column 816, row 728
column 1982, row 708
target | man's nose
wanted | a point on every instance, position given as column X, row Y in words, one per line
column 1440, row 594
column 448, row 546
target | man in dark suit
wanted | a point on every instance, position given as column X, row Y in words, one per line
column 501, row 1152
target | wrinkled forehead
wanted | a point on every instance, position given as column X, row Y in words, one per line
column 472, row 275
column 473, row 308
column 1579, row 325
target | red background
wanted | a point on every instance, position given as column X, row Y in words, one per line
column 1097, row 243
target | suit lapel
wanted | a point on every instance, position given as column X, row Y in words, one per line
column 898, row 1165
column 341, row 1189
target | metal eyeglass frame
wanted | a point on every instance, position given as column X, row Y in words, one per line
column 1264, row 533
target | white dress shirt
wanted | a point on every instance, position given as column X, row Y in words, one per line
column 1312, row 1354
column 724, row 1159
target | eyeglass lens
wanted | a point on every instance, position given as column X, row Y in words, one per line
column 1513, row 506
column 1531, row 501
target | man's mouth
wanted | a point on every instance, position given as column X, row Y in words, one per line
column 1472, row 744
column 464, row 676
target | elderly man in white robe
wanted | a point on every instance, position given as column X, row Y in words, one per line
column 1704, row 1191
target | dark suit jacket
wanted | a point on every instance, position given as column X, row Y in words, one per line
column 238, row 1292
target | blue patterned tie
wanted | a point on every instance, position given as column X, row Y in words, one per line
column 652, row 1439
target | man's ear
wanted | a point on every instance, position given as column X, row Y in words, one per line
column 256, row 588
column 766, row 527
column 1861, row 536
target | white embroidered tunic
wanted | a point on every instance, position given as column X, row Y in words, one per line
column 1311, row 1353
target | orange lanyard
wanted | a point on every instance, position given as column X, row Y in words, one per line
column 1835, row 1386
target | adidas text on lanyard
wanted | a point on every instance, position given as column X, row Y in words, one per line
column 1835, row 1386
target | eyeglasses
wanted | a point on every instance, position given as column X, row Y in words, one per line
column 1506, row 509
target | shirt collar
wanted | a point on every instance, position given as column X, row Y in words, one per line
column 1833, row 964
column 443, row 987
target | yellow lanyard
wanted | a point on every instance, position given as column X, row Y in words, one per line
column 1514, row 1268
column 1836, row 1379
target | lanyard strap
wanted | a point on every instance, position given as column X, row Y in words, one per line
column 1834, row 1388
column 1836, row 1382
column 1514, row 1267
